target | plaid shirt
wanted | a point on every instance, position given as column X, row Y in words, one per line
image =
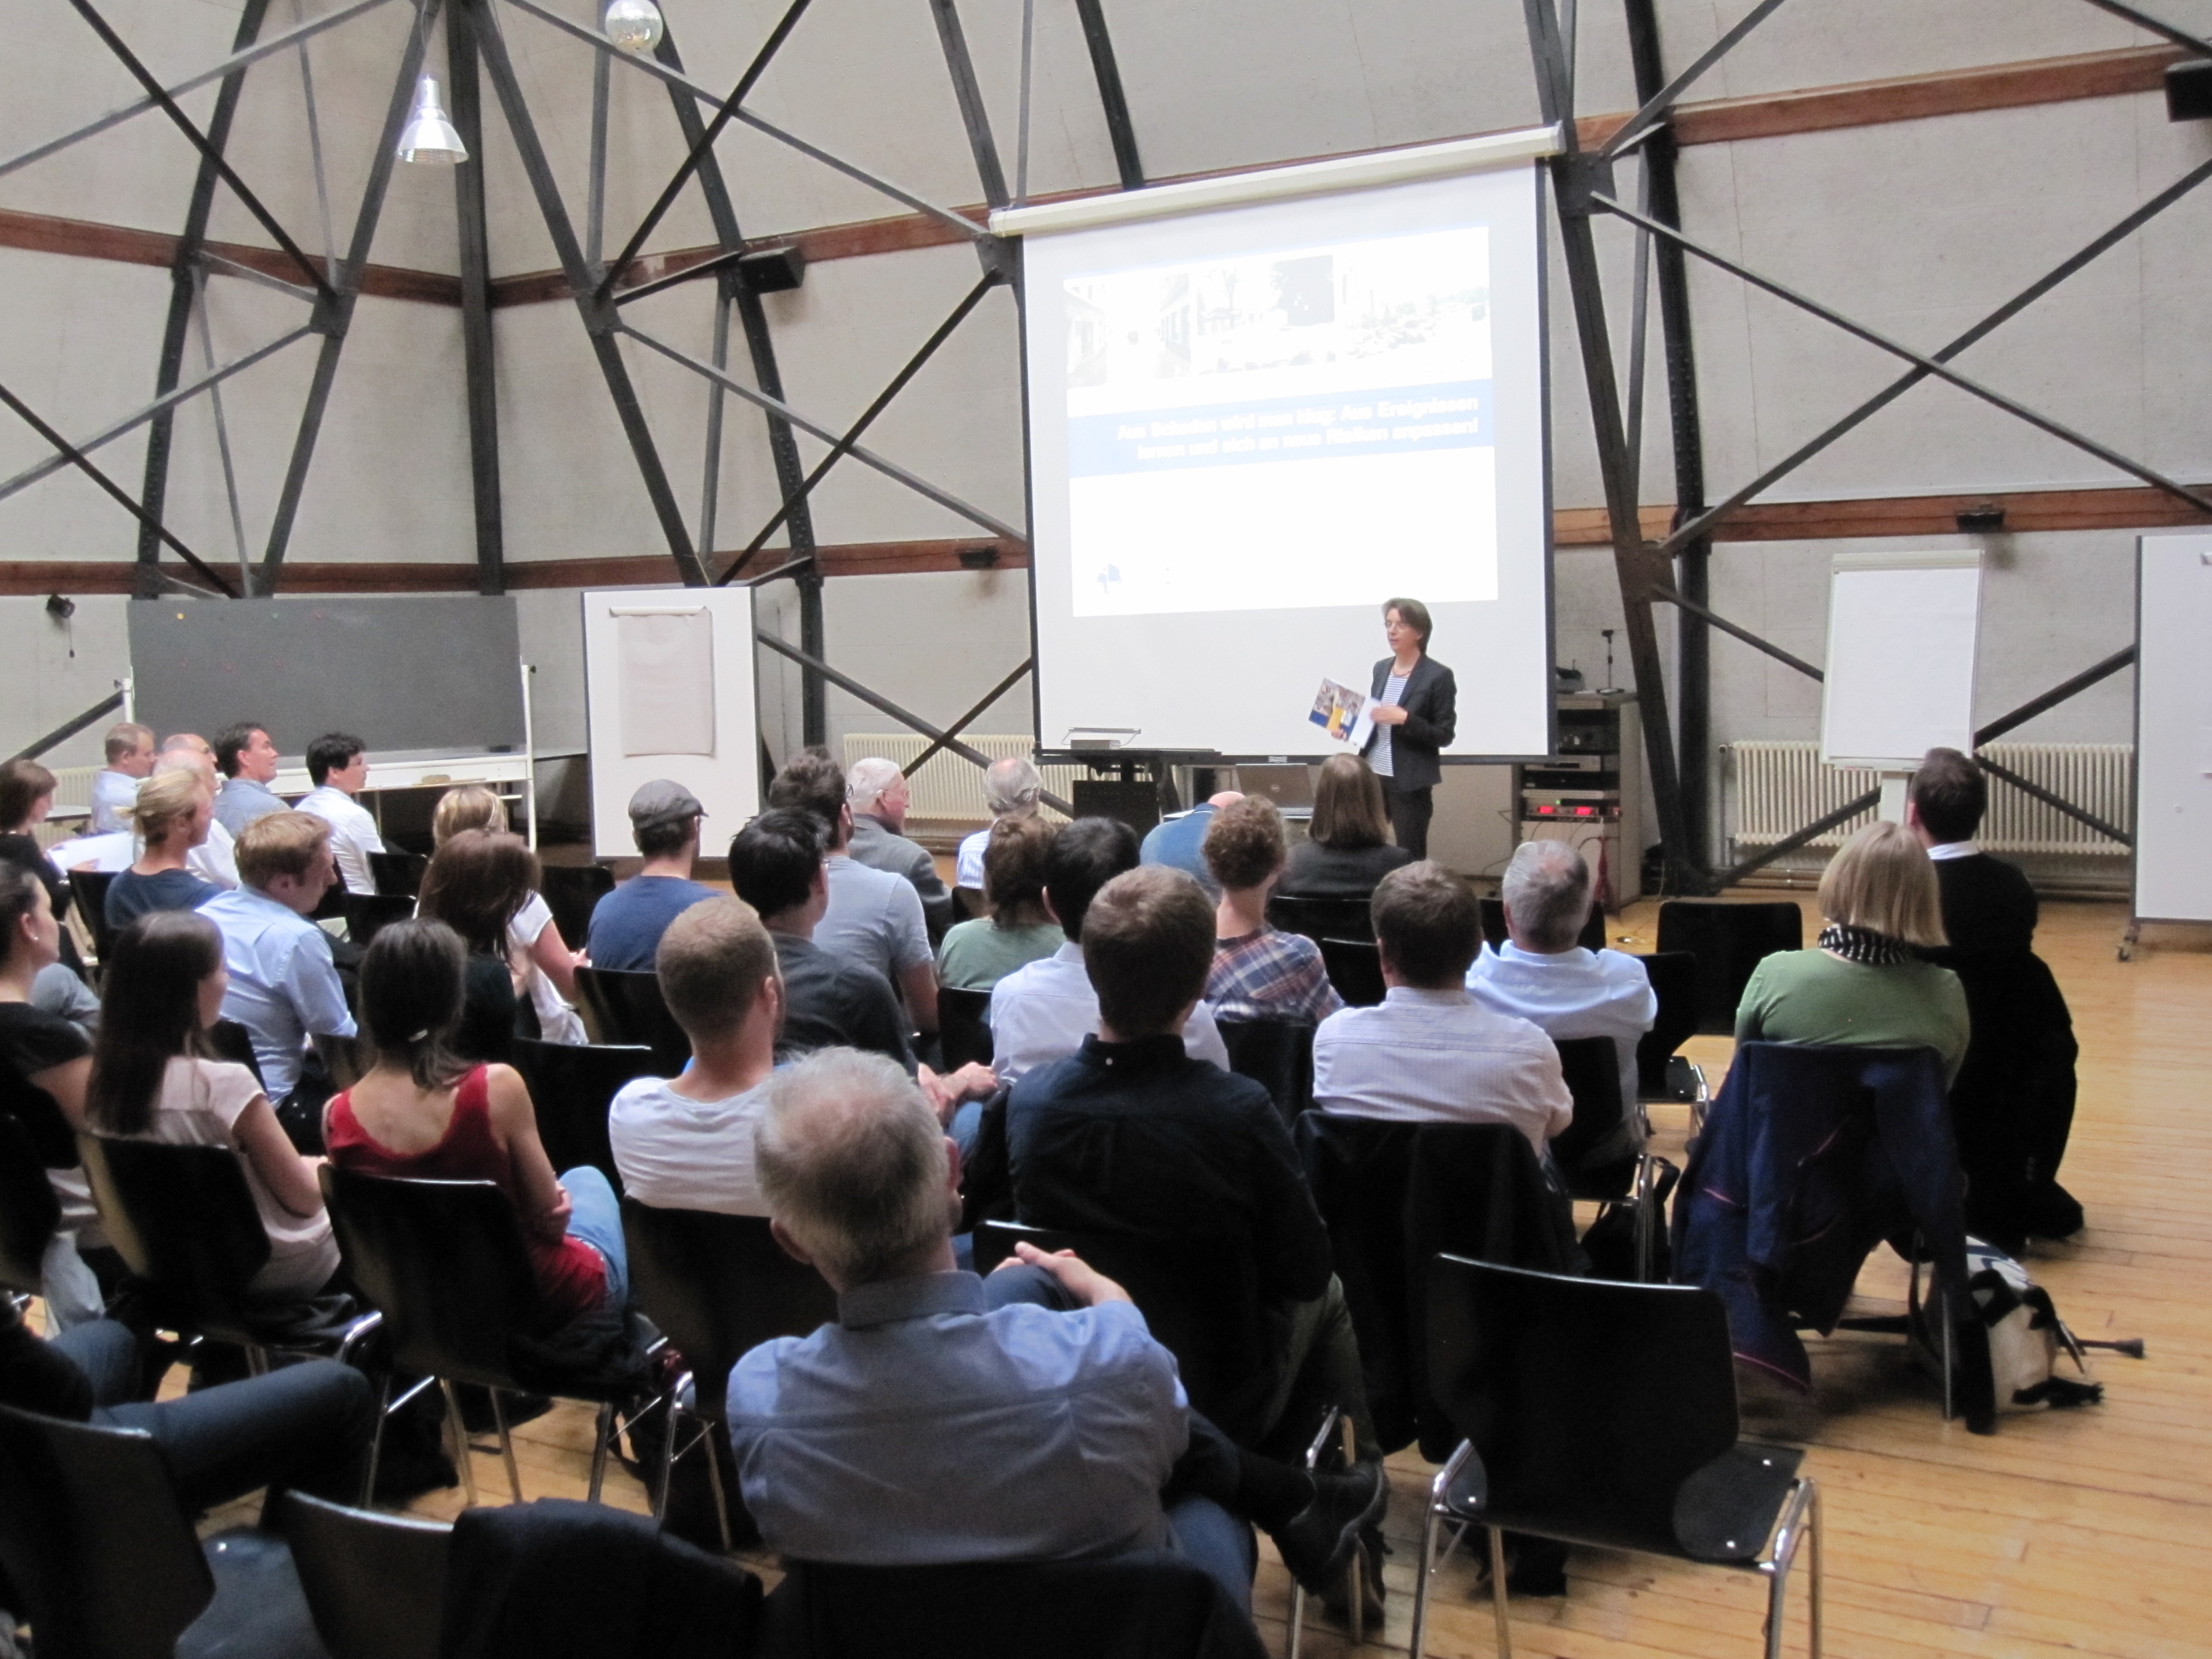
column 1270, row 975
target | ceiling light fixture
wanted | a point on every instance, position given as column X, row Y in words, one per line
column 634, row 26
column 429, row 137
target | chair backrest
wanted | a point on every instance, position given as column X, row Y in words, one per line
column 1729, row 941
column 963, row 1026
column 1591, row 1066
column 90, row 889
column 397, row 874
column 233, row 1042
column 368, row 914
column 331, row 907
column 375, row 1584
column 572, row 891
column 445, row 1263
column 94, row 1536
column 572, row 1085
column 1322, row 918
column 1673, row 976
column 184, row 1219
column 717, row 1286
column 628, row 1007
column 1278, row 1053
column 1355, row 968
column 1592, row 937
column 1199, row 1294
column 1590, row 1401
column 29, row 1212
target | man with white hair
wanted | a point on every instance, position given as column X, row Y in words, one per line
column 1012, row 787
column 215, row 858
column 1544, row 976
column 876, row 791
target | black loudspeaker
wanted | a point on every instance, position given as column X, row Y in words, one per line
column 1136, row 804
column 773, row 270
column 2189, row 91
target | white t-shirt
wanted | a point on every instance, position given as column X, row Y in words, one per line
column 557, row 1019
column 200, row 1103
column 1379, row 759
column 678, row 1153
column 353, row 835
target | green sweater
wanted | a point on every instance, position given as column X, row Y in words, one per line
column 1809, row 996
column 976, row 955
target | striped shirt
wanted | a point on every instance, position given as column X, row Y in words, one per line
column 1270, row 975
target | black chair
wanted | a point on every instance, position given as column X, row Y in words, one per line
column 1322, row 918
column 29, row 1211
column 963, row 1026
column 1673, row 976
column 368, row 914
column 627, row 1008
column 572, row 891
column 374, row 1583
column 444, row 1262
column 1278, row 1053
column 572, row 1085
column 105, row 1559
column 1729, row 941
column 1591, row 1066
column 397, row 874
column 232, row 1042
column 1199, row 1293
column 1592, row 937
column 1603, row 1414
column 90, row 889
column 331, row 907
column 183, row 1220
column 717, row 1286
column 1355, row 968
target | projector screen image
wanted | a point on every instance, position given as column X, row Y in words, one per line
column 1251, row 427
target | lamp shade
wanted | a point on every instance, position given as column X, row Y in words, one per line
column 634, row 26
column 429, row 135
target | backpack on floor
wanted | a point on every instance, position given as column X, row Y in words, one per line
column 2025, row 1336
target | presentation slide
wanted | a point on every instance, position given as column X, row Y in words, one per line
column 1250, row 427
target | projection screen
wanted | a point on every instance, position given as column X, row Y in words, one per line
column 1253, row 421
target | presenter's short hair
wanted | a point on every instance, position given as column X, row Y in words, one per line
column 774, row 860
column 1348, row 813
column 1950, row 793
column 1882, row 879
column 1244, row 843
column 1085, row 855
column 1428, row 924
column 1413, row 614
column 1148, row 947
column 712, row 962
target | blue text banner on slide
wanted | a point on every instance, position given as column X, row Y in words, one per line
column 1251, row 425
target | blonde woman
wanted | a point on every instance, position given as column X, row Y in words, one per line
column 171, row 814
column 533, row 935
column 1864, row 984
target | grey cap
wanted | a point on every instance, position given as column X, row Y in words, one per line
column 662, row 802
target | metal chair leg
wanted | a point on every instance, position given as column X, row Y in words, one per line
column 1498, row 1592
column 599, row 1440
column 506, row 1445
column 1298, row 1618
column 376, row 1443
column 714, row 1484
column 670, row 1429
column 1423, row 1569
column 1814, row 1527
column 1775, row 1586
column 460, row 1432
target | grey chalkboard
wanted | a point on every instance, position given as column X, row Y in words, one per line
column 426, row 673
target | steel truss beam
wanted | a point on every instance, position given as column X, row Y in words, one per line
column 477, row 363
column 974, row 712
column 1656, row 104
column 1107, row 69
column 968, row 94
column 2143, row 20
column 106, row 706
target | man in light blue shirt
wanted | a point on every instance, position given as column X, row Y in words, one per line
column 246, row 757
column 1180, row 842
column 947, row 1419
column 284, row 988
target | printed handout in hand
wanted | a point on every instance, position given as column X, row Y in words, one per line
column 1343, row 713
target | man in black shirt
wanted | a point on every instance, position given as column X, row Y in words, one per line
column 2012, row 1103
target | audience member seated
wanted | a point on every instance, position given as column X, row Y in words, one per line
column 153, row 1078
column 285, row 987
column 533, row 933
column 1011, row 788
column 977, row 954
column 338, row 765
column 215, row 858
column 626, row 924
column 876, row 791
column 476, row 884
column 2014, row 1099
column 686, row 1143
column 1348, row 848
column 27, row 793
column 1864, row 984
column 874, row 917
column 305, row 1426
column 52, row 1058
column 1042, row 1012
column 1541, row 975
column 171, row 814
column 421, row 1113
column 246, row 755
column 1131, row 1135
column 1428, row 1053
column 945, row 1419
column 130, row 748
column 1258, row 972
column 1179, row 842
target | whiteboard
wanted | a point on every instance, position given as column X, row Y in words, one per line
column 1902, row 630
column 2174, row 728
column 668, row 693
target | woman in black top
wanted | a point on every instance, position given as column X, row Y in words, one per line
column 477, row 882
column 1417, row 718
column 26, row 795
column 1348, row 848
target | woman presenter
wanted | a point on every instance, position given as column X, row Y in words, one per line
column 1417, row 715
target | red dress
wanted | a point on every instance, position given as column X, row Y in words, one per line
column 571, row 1277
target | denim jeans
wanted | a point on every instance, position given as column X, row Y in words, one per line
column 595, row 1216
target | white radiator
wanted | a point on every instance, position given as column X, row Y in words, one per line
column 1780, row 787
column 949, row 789
column 72, row 805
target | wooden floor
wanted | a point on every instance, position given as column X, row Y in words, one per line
column 2067, row 1533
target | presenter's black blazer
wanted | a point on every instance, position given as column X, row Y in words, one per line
column 1431, row 706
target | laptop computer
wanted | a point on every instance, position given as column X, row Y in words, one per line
column 1291, row 787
